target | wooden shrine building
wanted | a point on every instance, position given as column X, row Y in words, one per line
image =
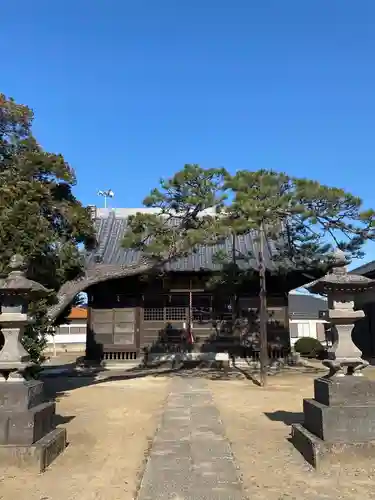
column 131, row 310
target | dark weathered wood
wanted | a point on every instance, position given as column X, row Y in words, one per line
column 138, row 327
column 111, row 305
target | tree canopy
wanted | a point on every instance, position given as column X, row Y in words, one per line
column 186, row 208
column 302, row 219
column 305, row 219
column 40, row 218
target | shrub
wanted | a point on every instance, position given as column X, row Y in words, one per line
column 308, row 346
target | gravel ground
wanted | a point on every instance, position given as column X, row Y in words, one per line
column 109, row 427
column 111, row 423
column 257, row 423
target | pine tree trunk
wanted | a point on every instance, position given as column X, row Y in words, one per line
column 263, row 312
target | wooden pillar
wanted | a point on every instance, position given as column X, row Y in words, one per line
column 89, row 355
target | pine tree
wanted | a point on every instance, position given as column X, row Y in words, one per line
column 305, row 218
column 187, row 209
column 40, row 218
column 301, row 221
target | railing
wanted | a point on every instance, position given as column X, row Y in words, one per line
column 119, row 356
column 273, row 354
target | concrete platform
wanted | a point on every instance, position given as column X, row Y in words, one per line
column 322, row 454
column 36, row 457
column 339, row 423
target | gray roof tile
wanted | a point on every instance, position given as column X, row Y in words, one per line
column 306, row 306
column 367, row 268
column 111, row 228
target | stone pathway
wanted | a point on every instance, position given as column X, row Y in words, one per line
column 190, row 458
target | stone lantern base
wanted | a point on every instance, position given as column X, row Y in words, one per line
column 339, row 423
column 28, row 436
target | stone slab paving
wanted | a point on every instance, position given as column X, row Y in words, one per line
column 190, row 458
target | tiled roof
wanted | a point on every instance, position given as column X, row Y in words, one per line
column 364, row 269
column 78, row 313
column 111, row 226
column 303, row 306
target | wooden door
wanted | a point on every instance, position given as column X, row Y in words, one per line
column 115, row 328
column 125, row 328
column 102, row 326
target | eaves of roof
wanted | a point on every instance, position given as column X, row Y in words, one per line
column 365, row 269
column 111, row 227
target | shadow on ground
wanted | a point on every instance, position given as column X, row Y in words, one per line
column 66, row 377
column 63, row 419
column 57, row 384
column 287, row 417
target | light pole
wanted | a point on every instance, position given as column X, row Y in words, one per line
column 106, row 194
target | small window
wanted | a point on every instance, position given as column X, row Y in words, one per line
column 153, row 314
column 303, row 329
column 77, row 330
column 175, row 313
column 293, row 327
column 62, row 330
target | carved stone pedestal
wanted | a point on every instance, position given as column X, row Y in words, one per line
column 28, row 437
column 339, row 423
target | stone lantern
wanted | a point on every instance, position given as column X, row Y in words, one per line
column 16, row 291
column 28, row 436
column 341, row 290
column 339, row 423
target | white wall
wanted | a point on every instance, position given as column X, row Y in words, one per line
column 71, row 333
column 79, row 338
column 306, row 328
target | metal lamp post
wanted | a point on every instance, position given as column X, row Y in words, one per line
column 106, row 194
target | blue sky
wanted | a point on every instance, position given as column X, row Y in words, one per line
column 130, row 90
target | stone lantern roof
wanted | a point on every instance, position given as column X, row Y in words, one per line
column 339, row 280
column 16, row 282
